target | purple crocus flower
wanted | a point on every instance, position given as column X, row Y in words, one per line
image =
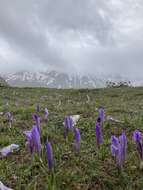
column 77, row 139
column 138, row 139
column 99, row 137
column 33, row 140
column 9, row 118
column 49, row 154
column 114, row 146
column 36, row 139
column 123, row 144
column 118, row 148
column 46, row 113
column 68, row 123
column 101, row 114
column 29, row 141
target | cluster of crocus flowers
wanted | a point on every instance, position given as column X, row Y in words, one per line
column 9, row 118
column 68, row 124
column 138, row 139
column 77, row 139
column 35, row 146
column 118, row 148
column 33, row 140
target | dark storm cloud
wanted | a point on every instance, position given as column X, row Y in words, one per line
column 100, row 37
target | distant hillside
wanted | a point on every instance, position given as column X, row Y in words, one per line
column 53, row 79
column 3, row 82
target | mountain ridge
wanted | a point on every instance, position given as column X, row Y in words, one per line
column 53, row 79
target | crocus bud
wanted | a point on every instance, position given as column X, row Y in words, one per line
column 49, row 154
column 99, row 137
column 77, row 139
column 36, row 140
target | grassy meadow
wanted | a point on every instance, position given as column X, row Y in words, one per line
column 91, row 169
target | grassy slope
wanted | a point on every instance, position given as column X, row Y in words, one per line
column 91, row 169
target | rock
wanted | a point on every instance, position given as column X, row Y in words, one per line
column 75, row 118
column 3, row 187
column 8, row 149
column 110, row 118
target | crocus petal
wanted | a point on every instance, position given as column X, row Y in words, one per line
column 114, row 140
column 29, row 141
column 114, row 150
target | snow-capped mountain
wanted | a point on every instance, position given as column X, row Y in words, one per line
column 53, row 79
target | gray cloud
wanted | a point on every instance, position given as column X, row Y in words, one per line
column 97, row 37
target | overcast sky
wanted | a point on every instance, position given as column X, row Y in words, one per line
column 84, row 36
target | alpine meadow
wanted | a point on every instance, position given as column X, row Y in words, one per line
column 61, row 158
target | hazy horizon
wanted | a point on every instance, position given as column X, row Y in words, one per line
column 86, row 37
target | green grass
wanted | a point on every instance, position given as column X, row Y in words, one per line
column 89, row 170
